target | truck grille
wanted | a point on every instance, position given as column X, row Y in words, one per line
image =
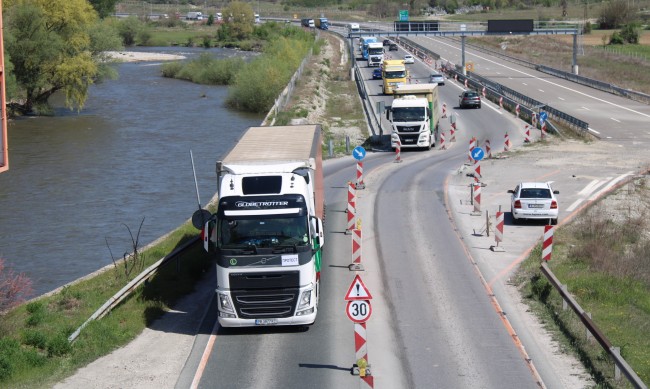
column 408, row 128
column 409, row 139
column 265, row 295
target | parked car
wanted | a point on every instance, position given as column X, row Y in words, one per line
column 376, row 74
column 437, row 78
column 392, row 47
column 469, row 98
column 534, row 200
column 408, row 58
column 386, row 42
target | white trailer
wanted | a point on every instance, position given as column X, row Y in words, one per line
column 267, row 233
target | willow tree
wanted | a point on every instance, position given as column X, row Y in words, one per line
column 54, row 45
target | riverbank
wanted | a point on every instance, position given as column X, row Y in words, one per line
column 140, row 56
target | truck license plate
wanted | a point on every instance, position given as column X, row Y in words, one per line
column 266, row 322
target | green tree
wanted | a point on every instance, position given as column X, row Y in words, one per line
column 616, row 13
column 240, row 19
column 52, row 49
column 104, row 8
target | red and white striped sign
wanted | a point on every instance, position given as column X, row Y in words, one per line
column 501, row 102
column 472, row 144
column 352, row 204
column 488, row 150
column 506, row 144
column 465, row 83
column 477, row 197
column 398, row 158
column 484, row 92
column 361, row 354
column 527, row 139
column 360, row 184
column 477, row 171
column 356, row 244
column 444, row 110
column 442, row 141
column 498, row 236
column 517, row 110
column 452, row 134
column 547, row 245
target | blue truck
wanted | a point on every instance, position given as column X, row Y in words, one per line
column 322, row 23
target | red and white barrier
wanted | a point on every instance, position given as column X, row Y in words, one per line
column 527, row 138
column 498, row 235
column 442, row 141
column 547, row 245
column 352, row 204
column 488, row 150
column 465, row 83
column 398, row 157
column 484, row 92
column 356, row 248
column 472, row 144
column 477, row 197
column 533, row 120
column 543, row 130
column 444, row 110
column 452, row 134
column 455, row 77
column 517, row 111
column 477, row 171
column 361, row 354
column 501, row 102
column 360, row 184
column 506, row 144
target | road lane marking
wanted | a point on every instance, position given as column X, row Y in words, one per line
column 541, row 90
column 585, row 108
column 592, row 186
column 609, row 185
column 206, row 355
column 524, row 83
column 592, row 130
column 618, row 121
column 575, row 204
column 561, row 98
column 547, row 81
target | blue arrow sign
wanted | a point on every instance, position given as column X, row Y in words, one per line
column 478, row 153
column 359, row 153
column 543, row 116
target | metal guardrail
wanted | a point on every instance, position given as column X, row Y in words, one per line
column 593, row 329
column 130, row 287
column 590, row 82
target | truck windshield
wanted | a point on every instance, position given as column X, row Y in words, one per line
column 395, row 74
column 268, row 232
column 374, row 51
column 408, row 114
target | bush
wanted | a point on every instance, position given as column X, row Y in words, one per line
column 35, row 338
column 586, row 29
column 630, row 33
column 58, row 346
column 616, row 39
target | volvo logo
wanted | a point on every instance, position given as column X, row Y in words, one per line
column 233, row 261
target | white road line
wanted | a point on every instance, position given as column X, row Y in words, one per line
column 585, row 108
column 618, row 121
column 609, row 185
column 547, row 81
column 541, row 90
column 592, row 130
column 575, row 204
column 524, row 83
column 592, row 186
column 561, row 98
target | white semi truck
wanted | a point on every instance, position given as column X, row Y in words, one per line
column 375, row 54
column 267, row 233
column 414, row 116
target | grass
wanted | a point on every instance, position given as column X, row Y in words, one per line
column 34, row 350
column 602, row 257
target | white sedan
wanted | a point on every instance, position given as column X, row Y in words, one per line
column 534, row 200
column 408, row 58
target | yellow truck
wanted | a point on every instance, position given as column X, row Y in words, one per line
column 393, row 73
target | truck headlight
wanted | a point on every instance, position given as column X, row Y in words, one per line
column 224, row 303
column 305, row 299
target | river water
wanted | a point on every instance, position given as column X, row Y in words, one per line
column 77, row 180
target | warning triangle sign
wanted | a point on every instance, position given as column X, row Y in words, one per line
column 358, row 290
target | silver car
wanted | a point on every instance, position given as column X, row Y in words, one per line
column 437, row 78
column 534, row 200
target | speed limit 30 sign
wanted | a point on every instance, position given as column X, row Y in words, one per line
column 359, row 310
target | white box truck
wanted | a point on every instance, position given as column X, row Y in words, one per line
column 267, row 234
column 414, row 116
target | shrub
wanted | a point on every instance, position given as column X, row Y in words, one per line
column 58, row 346
column 630, row 33
column 14, row 288
column 34, row 338
column 616, row 39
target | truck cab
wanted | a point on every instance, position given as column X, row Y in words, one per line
column 414, row 116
